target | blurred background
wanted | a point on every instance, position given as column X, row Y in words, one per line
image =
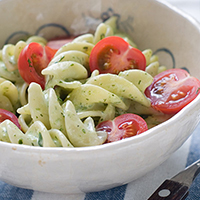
column 191, row 7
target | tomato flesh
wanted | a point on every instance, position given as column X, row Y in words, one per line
column 58, row 42
column 123, row 126
column 32, row 60
column 113, row 55
column 172, row 90
column 5, row 114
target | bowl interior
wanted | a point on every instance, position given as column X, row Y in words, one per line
column 151, row 24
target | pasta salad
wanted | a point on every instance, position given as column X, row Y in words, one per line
column 85, row 91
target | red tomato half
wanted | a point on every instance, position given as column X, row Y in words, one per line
column 113, row 55
column 32, row 60
column 172, row 90
column 123, row 126
column 59, row 42
column 5, row 114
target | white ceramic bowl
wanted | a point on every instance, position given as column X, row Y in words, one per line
column 152, row 24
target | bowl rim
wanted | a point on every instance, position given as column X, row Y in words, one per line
column 180, row 12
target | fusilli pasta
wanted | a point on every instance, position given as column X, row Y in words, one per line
column 75, row 100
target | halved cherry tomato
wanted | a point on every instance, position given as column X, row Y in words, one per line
column 32, row 60
column 113, row 55
column 172, row 90
column 56, row 43
column 5, row 114
column 123, row 126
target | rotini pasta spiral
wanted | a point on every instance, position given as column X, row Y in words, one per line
column 36, row 135
column 152, row 65
column 22, row 89
column 121, row 86
column 9, row 98
column 43, row 106
column 13, row 76
column 64, row 61
column 10, row 54
column 36, row 39
column 107, row 94
column 81, row 133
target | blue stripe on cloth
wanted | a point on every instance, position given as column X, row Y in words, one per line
column 9, row 192
column 194, row 154
column 116, row 193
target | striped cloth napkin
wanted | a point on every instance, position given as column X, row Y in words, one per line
column 142, row 188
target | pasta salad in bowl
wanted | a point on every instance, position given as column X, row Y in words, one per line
column 80, row 98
